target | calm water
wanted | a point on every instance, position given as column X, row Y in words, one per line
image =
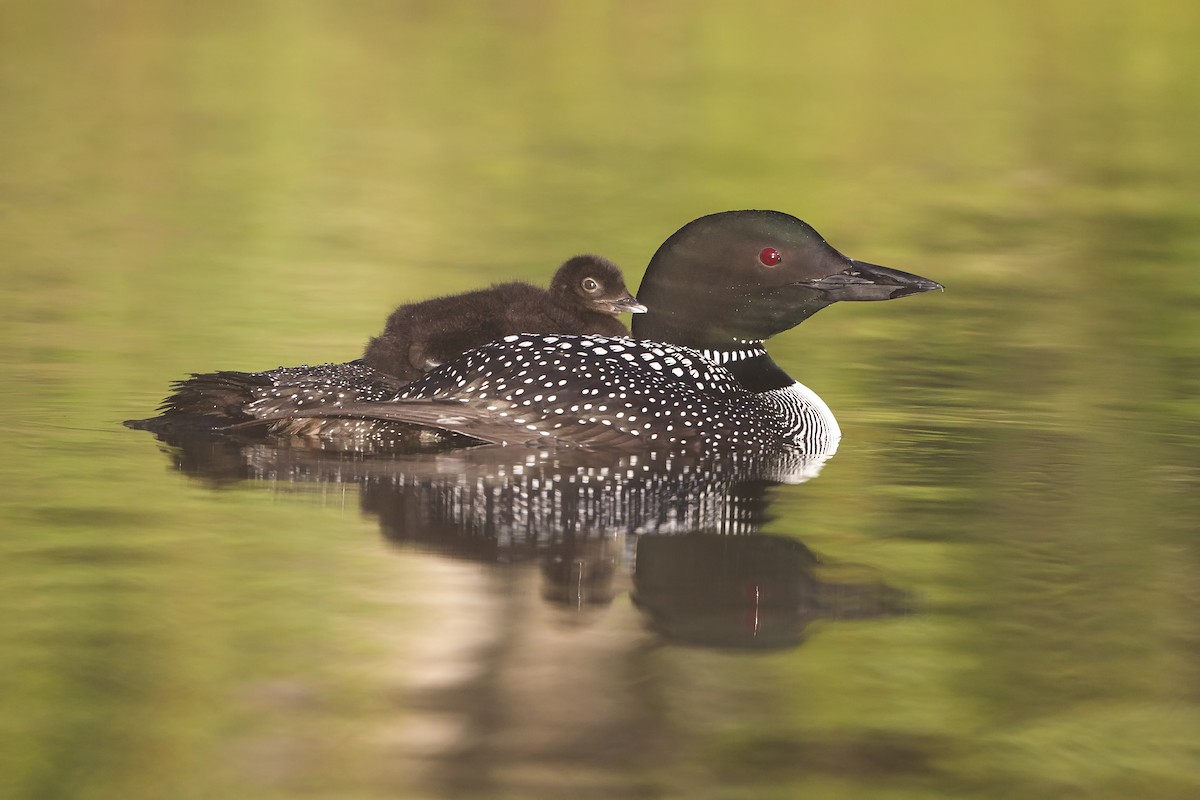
column 989, row 592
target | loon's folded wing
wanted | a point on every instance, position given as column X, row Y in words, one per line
column 465, row 419
column 446, row 415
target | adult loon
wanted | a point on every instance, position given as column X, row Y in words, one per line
column 585, row 295
column 694, row 377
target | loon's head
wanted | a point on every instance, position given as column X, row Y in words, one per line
column 595, row 284
column 744, row 276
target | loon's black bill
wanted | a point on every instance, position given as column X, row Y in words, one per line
column 627, row 303
column 863, row 281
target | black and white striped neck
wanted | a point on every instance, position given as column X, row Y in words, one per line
column 740, row 350
column 750, row 364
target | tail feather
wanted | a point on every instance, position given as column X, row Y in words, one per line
column 205, row 401
column 214, row 400
column 224, row 395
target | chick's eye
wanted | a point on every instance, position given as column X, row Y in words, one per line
column 769, row 257
column 590, row 285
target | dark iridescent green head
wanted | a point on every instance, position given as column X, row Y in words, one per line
column 748, row 275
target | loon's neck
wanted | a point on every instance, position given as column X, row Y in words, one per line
column 750, row 364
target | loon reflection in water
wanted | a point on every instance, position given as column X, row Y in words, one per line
column 682, row 534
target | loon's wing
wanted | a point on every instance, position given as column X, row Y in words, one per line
column 221, row 394
column 464, row 418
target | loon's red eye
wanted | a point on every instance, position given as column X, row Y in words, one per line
column 769, row 257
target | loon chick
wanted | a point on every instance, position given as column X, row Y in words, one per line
column 696, row 375
column 585, row 295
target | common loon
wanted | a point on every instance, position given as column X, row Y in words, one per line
column 695, row 375
column 585, row 295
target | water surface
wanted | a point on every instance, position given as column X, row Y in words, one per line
column 993, row 581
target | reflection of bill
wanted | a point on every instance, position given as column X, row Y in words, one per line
column 755, row 591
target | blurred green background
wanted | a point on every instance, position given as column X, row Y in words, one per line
column 236, row 185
